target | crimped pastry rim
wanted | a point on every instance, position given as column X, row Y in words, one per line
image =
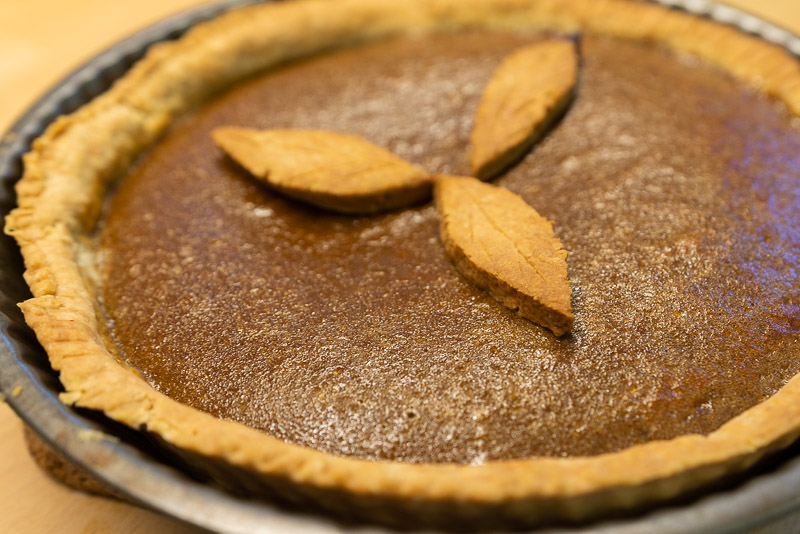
column 48, row 225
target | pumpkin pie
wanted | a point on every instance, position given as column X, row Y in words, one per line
column 339, row 359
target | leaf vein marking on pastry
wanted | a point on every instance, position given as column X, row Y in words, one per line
column 344, row 169
column 500, row 243
column 525, row 94
column 527, row 257
column 332, row 170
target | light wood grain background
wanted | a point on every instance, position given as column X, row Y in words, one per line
column 41, row 41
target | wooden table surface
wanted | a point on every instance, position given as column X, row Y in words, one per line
column 41, row 41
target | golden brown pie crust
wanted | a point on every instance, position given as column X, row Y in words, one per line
column 71, row 165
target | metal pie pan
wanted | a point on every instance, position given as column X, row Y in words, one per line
column 764, row 501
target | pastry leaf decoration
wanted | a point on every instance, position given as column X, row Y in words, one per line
column 492, row 236
column 500, row 243
column 331, row 170
column 526, row 94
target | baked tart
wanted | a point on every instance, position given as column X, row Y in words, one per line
column 340, row 359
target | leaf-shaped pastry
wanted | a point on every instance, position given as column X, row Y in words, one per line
column 331, row 170
column 526, row 94
column 504, row 246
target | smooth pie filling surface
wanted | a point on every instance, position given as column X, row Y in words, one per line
column 675, row 189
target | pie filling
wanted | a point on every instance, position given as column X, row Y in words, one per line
column 675, row 189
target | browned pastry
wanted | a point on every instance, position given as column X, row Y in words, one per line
column 526, row 94
column 503, row 245
column 62, row 470
column 328, row 169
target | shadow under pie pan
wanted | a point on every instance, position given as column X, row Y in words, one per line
column 152, row 473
